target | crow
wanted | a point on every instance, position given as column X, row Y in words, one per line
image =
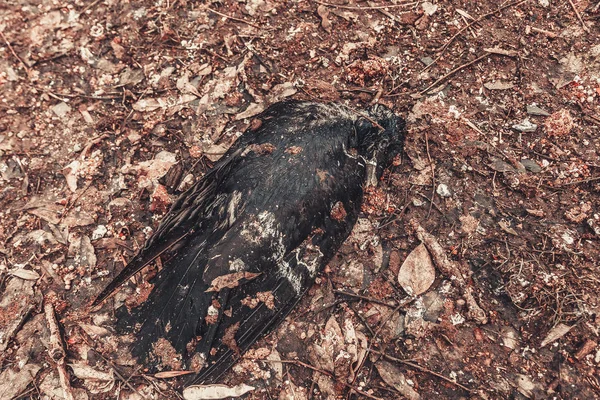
column 243, row 245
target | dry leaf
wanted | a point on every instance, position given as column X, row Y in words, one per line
column 71, row 172
column 392, row 375
column 12, row 382
column 556, row 333
column 83, row 371
column 205, row 392
column 417, row 273
column 25, row 274
column 82, row 252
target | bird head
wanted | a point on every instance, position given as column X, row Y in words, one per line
column 380, row 135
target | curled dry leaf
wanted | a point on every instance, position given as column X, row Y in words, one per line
column 417, row 273
column 95, row 381
column 149, row 172
column 70, row 172
column 205, row 392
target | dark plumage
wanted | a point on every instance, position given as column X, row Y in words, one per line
column 245, row 243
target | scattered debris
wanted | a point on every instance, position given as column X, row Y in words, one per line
column 559, row 123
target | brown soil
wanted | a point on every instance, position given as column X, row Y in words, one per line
column 110, row 109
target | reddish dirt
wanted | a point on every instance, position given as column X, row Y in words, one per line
column 111, row 109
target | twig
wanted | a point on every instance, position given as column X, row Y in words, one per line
column 545, row 32
column 92, row 345
column 455, row 70
column 377, row 96
column 89, row 6
column 235, row 19
column 423, row 369
column 597, row 178
column 57, row 351
column 329, row 374
column 434, row 205
column 469, row 25
column 370, row 299
column 585, row 28
column 432, row 174
column 366, row 8
column 14, row 53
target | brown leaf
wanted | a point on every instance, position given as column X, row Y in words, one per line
column 393, row 376
column 556, row 333
column 417, row 273
column 25, row 274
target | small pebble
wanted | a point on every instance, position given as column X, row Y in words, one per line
column 443, row 190
column 525, row 126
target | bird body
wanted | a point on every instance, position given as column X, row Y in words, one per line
column 244, row 244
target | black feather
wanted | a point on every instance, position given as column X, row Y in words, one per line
column 262, row 217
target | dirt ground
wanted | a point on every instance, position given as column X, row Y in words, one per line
column 109, row 109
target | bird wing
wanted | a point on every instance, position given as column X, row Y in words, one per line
column 179, row 223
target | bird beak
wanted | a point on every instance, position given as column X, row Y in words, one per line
column 371, row 173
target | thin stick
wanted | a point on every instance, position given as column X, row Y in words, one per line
column 597, row 178
column 235, row 19
column 366, row 8
column 585, row 28
column 469, row 25
column 432, row 174
column 423, row 369
column 545, row 32
column 13, row 52
column 57, row 351
column 370, row 299
column 455, row 70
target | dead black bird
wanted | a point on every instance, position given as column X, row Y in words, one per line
column 247, row 241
